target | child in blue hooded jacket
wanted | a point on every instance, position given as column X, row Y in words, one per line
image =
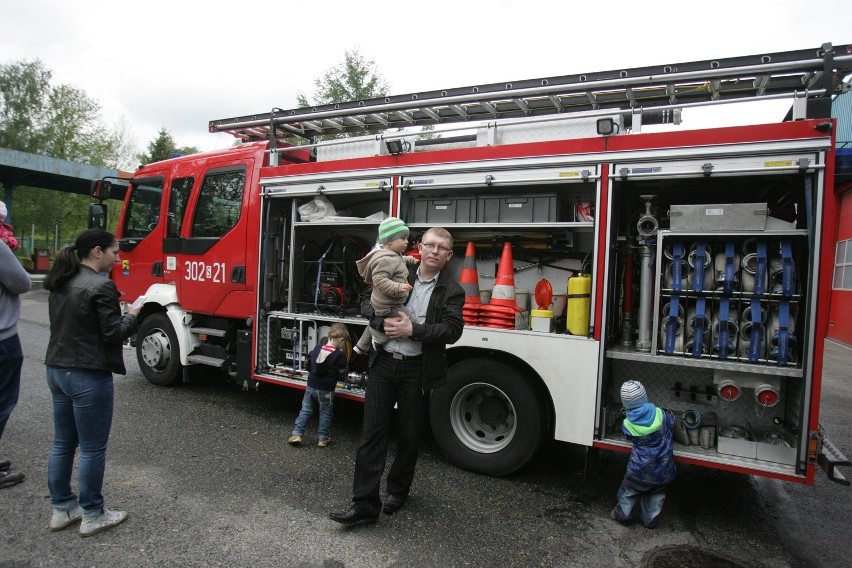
column 651, row 466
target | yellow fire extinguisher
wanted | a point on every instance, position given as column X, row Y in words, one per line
column 579, row 302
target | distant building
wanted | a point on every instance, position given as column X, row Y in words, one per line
column 840, row 324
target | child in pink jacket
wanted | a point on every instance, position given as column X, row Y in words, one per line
column 7, row 235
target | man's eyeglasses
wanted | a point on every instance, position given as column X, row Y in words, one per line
column 433, row 246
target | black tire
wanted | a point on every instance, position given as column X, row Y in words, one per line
column 488, row 418
column 157, row 351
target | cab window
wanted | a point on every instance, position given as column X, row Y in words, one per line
column 178, row 198
column 219, row 203
column 143, row 210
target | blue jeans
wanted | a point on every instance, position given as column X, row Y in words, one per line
column 11, row 360
column 82, row 416
column 325, row 401
column 650, row 499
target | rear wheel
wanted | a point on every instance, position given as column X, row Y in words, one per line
column 157, row 350
column 488, row 418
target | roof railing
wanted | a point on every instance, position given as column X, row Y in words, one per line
column 812, row 73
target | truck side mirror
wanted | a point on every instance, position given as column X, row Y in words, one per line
column 97, row 216
column 101, row 189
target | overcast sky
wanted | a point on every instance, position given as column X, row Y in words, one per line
column 182, row 63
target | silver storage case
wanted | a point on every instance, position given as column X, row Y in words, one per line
column 719, row 217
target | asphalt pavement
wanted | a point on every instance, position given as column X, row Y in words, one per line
column 209, row 480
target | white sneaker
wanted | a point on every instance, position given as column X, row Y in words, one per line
column 65, row 518
column 99, row 523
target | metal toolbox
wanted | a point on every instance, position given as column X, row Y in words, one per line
column 782, row 451
column 736, row 447
column 748, row 448
column 443, row 210
column 529, row 208
column 719, row 217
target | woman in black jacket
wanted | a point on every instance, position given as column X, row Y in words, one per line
column 86, row 334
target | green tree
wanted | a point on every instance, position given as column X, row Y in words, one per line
column 122, row 144
column 24, row 91
column 164, row 147
column 355, row 78
column 59, row 121
column 70, row 130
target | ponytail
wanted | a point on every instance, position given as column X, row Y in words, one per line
column 64, row 267
column 67, row 262
column 347, row 347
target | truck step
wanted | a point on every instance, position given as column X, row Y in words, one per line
column 830, row 458
column 215, row 332
column 206, row 360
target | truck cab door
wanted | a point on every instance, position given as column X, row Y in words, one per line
column 140, row 236
column 207, row 262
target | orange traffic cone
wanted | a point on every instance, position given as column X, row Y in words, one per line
column 502, row 308
column 503, row 293
column 469, row 280
column 471, row 314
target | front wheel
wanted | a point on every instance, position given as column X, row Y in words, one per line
column 488, row 418
column 157, row 350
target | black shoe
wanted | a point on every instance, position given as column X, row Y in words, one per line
column 394, row 503
column 353, row 516
column 378, row 322
column 8, row 478
column 5, row 464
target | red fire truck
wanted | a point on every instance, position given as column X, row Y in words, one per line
column 697, row 261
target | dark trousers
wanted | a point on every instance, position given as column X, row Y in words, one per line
column 11, row 360
column 390, row 382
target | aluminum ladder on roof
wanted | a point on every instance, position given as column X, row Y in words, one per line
column 813, row 73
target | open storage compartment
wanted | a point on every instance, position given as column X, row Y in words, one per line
column 313, row 235
column 709, row 287
column 545, row 213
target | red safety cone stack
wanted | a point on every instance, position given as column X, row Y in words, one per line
column 501, row 311
column 469, row 281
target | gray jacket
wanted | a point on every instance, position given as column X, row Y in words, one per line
column 86, row 325
column 386, row 271
column 14, row 281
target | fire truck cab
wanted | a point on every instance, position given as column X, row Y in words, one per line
column 696, row 261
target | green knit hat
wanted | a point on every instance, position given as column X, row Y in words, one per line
column 391, row 229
